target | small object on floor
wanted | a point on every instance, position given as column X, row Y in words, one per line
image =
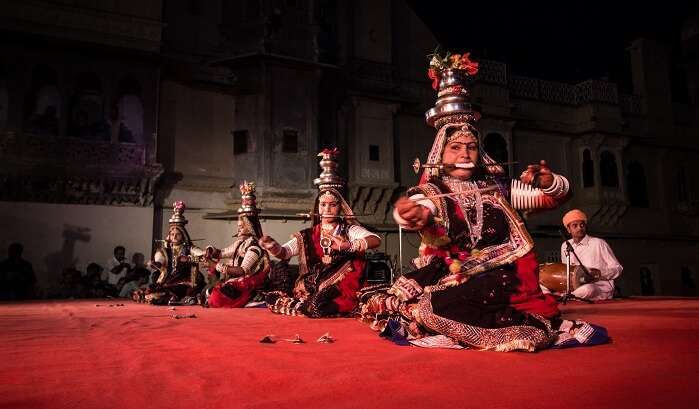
column 296, row 340
column 256, row 304
column 180, row 316
column 268, row 339
column 326, row 339
column 171, row 308
column 109, row 305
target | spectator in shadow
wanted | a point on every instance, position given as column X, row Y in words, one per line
column 16, row 275
column 93, row 284
column 137, row 276
column 72, row 284
column 116, row 270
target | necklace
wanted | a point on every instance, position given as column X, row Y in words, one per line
column 467, row 203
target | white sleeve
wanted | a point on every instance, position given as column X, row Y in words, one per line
column 612, row 268
column 291, row 247
column 159, row 257
column 228, row 251
column 251, row 256
column 563, row 253
column 196, row 251
column 358, row 232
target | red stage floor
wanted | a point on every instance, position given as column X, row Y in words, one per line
column 68, row 354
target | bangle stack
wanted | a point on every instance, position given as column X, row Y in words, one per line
column 358, row 246
column 559, row 188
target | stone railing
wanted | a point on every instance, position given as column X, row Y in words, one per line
column 70, row 170
column 558, row 92
column 598, row 91
column 524, row 87
column 562, row 93
column 27, row 148
column 492, row 71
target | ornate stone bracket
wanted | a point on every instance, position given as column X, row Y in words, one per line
column 373, row 203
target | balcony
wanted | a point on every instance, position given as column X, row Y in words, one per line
column 71, row 170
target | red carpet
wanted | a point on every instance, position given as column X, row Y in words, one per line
column 74, row 354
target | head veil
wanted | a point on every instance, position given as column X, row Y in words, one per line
column 178, row 221
column 440, row 142
column 248, row 212
column 451, row 76
column 330, row 182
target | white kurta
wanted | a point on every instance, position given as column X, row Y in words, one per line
column 595, row 253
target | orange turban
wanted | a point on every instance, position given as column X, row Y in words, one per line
column 574, row 215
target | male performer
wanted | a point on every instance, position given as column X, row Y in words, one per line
column 595, row 254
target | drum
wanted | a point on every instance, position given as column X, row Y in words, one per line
column 553, row 277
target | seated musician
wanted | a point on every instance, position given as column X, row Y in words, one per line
column 595, row 254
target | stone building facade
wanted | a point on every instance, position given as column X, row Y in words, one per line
column 252, row 90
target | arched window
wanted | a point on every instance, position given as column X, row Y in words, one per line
column 609, row 174
column 496, row 147
column 126, row 119
column 636, row 185
column 87, row 118
column 588, row 169
column 43, row 106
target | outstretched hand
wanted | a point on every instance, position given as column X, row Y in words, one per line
column 415, row 215
column 339, row 243
column 267, row 242
column 539, row 175
column 271, row 246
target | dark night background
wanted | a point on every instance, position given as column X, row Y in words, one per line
column 559, row 41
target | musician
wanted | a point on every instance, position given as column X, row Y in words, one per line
column 476, row 279
column 595, row 254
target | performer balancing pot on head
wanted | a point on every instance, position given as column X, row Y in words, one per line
column 331, row 253
column 476, row 280
column 177, row 260
column 243, row 265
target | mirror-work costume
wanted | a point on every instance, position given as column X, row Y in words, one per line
column 476, row 279
column 177, row 261
column 328, row 279
column 244, row 265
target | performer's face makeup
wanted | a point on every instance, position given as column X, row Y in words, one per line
column 328, row 206
column 577, row 230
column 462, row 148
column 175, row 236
